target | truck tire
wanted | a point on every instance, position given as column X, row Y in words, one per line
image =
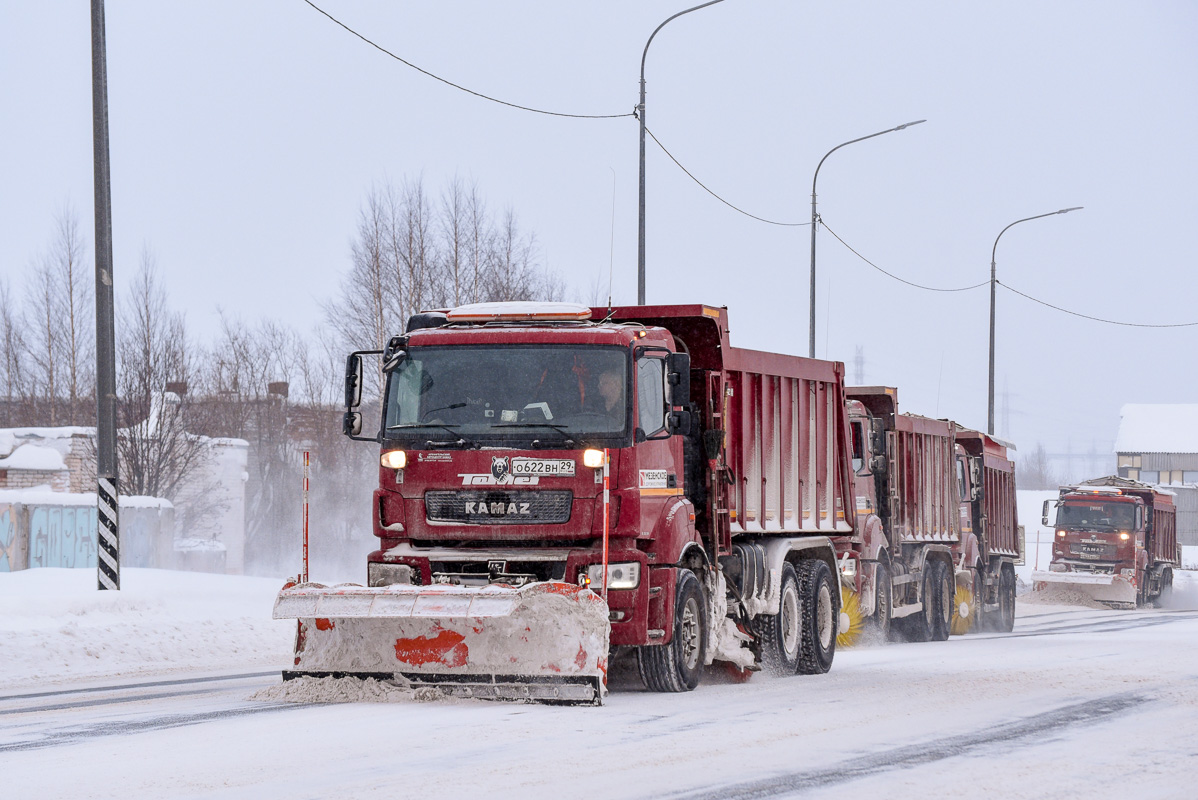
column 920, row 627
column 1166, row 593
column 1004, row 618
column 883, row 602
column 942, row 602
column 779, row 633
column 677, row 666
column 817, row 639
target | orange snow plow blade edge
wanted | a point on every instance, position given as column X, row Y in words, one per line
column 545, row 641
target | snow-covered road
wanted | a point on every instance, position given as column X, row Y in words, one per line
column 1077, row 702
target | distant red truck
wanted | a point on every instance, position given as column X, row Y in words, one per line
column 1116, row 540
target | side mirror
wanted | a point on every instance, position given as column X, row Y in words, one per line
column 678, row 376
column 679, row 422
column 353, row 381
column 975, row 478
column 877, row 435
column 1044, row 514
column 351, row 423
column 1139, row 517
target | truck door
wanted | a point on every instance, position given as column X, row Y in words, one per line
column 659, row 461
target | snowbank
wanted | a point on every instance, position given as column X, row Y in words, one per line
column 56, row 626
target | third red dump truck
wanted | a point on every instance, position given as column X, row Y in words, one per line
column 1116, row 541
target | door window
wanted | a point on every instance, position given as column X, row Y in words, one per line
column 650, row 395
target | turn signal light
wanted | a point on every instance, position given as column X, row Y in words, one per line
column 394, row 459
column 592, row 458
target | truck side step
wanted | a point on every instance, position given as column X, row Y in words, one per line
column 906, row 611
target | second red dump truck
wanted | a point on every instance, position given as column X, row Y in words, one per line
column 937, row 540
column 1116, row 541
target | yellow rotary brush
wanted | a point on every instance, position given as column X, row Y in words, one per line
column 964, row 611
column 852, row 621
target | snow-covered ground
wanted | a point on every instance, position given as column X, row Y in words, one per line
column 56, row 627
column 1077, row 702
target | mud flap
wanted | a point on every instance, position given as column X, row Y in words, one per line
column 544, row 641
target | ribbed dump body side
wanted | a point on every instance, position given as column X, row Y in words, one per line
column 787, row 444
column 922, row 480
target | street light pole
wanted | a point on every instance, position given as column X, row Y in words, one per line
column 815, row 217
column 993, row 281
column 640, row 112
column 108, row 556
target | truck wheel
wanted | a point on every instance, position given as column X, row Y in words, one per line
column 1004, row 620
column 883, row 602
column 677, row 666
column 779, row 633
column 817, row 639
column 1162, row 599
column 942, row 602
column 921, row 627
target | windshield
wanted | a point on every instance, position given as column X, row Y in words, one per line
column 1091, row 515
column 478, row 392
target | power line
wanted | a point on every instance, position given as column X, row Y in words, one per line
column 716, row 196
column 891, row 274
column 405, row 62
column 1097, row 319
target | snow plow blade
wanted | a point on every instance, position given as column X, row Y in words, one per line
column 544, row 642
column 1103, row 588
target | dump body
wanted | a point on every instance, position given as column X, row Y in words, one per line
column 992, row 540
column 1115, row 540
column 520, row 452
column 899, row 560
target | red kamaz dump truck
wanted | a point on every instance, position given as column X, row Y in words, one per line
column 1116, row 541
column 936, row 540
column 556, row 481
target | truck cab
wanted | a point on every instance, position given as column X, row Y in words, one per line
column 1113, row 538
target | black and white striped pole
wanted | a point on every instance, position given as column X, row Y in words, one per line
column 108, row 553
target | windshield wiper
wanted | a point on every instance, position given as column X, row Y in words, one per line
column 562, row 429
column 452, row 429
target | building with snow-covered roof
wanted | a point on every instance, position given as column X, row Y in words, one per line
column 1158, row 443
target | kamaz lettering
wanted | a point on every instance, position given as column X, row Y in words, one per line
column 496, row 509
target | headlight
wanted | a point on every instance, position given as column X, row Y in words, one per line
column 848, row 567
column 619, row 576
column 592, row 458
column 387, row 574
column 1060, row 533
column 1124, row 536
column 394, row 459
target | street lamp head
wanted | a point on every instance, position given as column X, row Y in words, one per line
column 1067, row 210
column 909, row 124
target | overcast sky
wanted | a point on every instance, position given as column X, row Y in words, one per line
column 246, row 135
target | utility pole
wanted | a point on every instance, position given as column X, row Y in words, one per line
column 640, row 114
column 108, row 554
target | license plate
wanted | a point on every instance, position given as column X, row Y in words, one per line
column 1088, row 554
column 543, row 466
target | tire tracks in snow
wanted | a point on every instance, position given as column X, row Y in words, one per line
column 1103, row 625
column 72, row 735
column 110, row 695
column 1012, row 733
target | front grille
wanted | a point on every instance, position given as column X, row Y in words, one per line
column 1098, row 552
column 499, row 508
